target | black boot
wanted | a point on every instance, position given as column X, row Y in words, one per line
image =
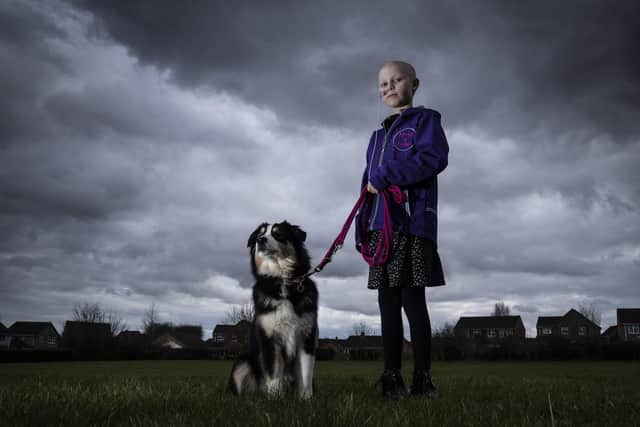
column 393, row 387
column 423, row 386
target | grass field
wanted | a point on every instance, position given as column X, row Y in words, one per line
column 183, row 393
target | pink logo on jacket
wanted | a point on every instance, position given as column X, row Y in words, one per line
column 403, row 140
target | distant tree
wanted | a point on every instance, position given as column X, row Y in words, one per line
column 117, row 323
column 88, row 313
column 150, row 321
column 362, row 328
column 447, row 330
column 238, row 313
column 93, row 313
column 591, row 312
column 500, row 309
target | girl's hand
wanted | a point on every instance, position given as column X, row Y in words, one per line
column 371, row 188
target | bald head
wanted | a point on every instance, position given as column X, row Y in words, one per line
column 406, row 68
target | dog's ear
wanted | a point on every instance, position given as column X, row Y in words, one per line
column 254, row 236
column 299, row 233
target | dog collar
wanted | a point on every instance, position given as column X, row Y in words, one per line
column 299, row 284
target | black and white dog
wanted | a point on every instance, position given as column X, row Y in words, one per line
column 284, row 332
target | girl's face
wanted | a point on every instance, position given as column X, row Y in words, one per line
column 396, row 87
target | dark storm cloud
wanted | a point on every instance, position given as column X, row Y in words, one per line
column 27, row 69
column 564, row 65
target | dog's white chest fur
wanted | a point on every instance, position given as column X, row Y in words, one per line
column 281, row 324
column 274, row 267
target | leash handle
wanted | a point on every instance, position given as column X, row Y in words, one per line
column 383, row 248
column 385, row 243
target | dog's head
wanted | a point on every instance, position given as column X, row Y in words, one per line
column 277, row 250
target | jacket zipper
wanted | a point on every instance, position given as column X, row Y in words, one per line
column 406, row 204
column 384, row 145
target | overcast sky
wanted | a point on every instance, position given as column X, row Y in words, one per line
column 141, row 143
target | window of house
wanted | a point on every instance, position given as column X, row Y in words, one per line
column 633, row 329
column 582, row 330
column 491, row 333
column 51, row 340
column 546, row 331
column 234, row 338
column 564, row 330
column 476, row 332
column 218, row 338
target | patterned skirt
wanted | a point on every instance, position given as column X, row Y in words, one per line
column 414, row 261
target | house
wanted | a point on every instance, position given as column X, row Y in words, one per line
column 364, row 347
column 87, row 339
column 628, row 328
column 228, row 341
column 37, row 335
column 131, row 340
column 330, row 349
column 369, row 347
column 489, row 327
column 573, row 326
column 5, row 338
column 547, row 326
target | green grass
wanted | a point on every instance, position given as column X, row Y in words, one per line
column 182, row 393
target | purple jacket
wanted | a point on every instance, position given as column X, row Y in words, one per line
column 410, row 155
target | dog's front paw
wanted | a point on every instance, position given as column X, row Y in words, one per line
column 273, row 388
column 305, row 394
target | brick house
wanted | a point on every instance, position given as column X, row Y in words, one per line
column 37, row 335
column 489, row 327
column 369, row 347
column 364, row 347
column 5, row 338
column 331, row 349
column 228, row 341
column 87, row 338
column 628, row 327
column 132, row 340
column 573, row 326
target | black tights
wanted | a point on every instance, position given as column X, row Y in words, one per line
column 391, row 300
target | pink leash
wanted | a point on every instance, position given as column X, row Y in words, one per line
column 381, row 254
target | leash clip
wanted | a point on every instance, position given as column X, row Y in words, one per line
column 300, row 287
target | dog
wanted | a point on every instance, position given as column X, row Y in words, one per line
column 284, row 332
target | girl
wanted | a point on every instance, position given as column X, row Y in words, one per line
column 408, row 151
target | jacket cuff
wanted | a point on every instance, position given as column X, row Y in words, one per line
column 378, row 181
